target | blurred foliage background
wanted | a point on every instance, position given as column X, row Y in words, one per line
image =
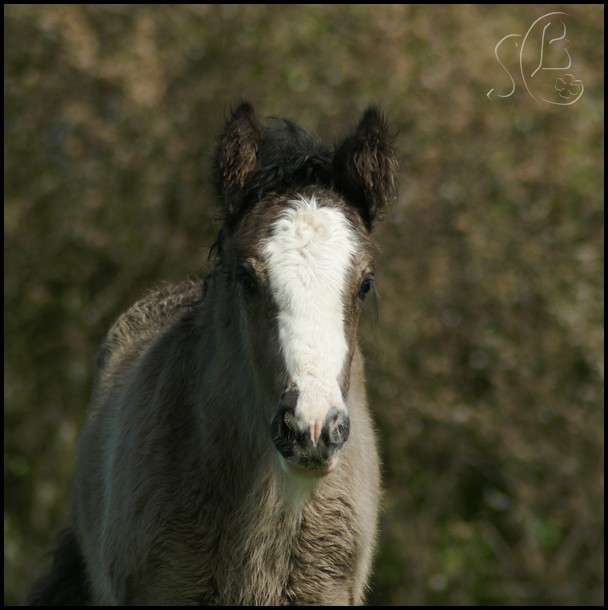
column 485, row 365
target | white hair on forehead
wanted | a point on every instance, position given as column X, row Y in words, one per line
column 308, row 257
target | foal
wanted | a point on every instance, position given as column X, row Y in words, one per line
column 214, row 466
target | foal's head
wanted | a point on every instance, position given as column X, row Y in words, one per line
column 295, row 249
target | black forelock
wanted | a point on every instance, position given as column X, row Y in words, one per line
column 288, row 158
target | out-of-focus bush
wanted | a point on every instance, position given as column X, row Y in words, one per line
column 486, row 363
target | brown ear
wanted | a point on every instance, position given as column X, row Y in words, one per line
column 235, row 158
column 365, row 167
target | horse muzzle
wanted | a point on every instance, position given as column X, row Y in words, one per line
column 309, row 445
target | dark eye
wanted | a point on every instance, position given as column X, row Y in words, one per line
column 366, row 286
column 246, row 280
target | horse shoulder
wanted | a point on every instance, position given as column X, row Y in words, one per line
column 122, row 448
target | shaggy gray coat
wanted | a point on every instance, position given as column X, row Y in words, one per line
column 178, row 495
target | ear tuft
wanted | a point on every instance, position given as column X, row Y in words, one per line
column 235, row 158
column 365, row 166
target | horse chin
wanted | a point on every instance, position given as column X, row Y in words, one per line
column 309, row 471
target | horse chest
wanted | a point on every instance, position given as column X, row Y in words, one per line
column 286, row 558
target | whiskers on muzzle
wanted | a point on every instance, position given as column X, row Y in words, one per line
column 309, row 445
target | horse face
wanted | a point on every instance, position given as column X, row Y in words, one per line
column 301, row 287
column 296, row 223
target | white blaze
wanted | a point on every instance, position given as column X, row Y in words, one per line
column 308, row 257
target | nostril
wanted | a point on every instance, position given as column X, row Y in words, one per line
column 288, row 425
column 342, row 429
column 336, row 428
column 286, row 430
